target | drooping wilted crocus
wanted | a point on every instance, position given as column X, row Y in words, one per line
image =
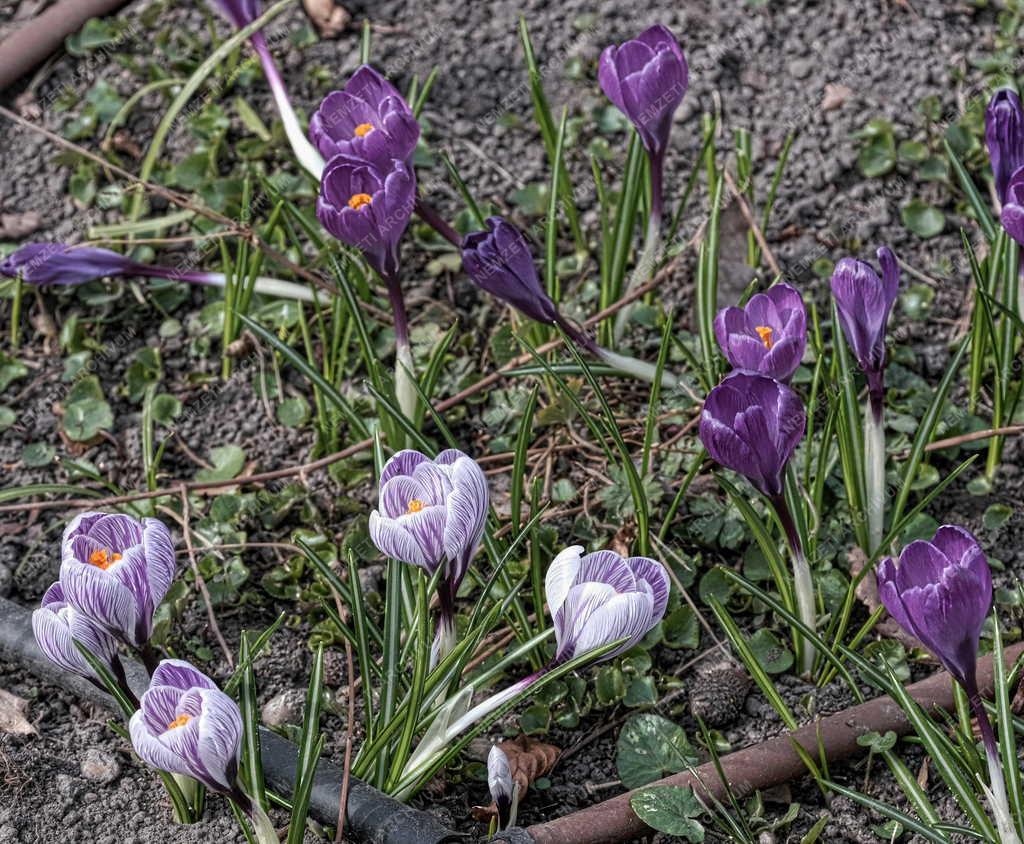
column 752, row 424
column 369, row 207
column 116, row 570
column 241, row 13
column 57, row 626
column 940, row 592
column 432, row 513
column 863, row 302
column 1004, row 137
column 46, row 264
column 185, row 725
column 504, row 789
column 367, row 119
column 647, row 78
column 768, row 335
column 499, row 260
column 595, row 600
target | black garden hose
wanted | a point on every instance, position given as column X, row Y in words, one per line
column 371, row 816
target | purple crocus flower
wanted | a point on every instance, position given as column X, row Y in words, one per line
column 367, row 119
column 368, row 207
column 116, row 570
column 768, row 335
column 646, row 78
column 57, row 626
column 601, row 597
column 241, row 13
column 752, row 424
column 864, row 301
column 1011, row 215
column 46, row 264
column 1004, row 136
column 941, row 593
column 186, row 725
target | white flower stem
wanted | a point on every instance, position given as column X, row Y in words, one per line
column 643, row 270
column 405, row 389
column 803, row 584
column 637, row 368
column 262, row 826
column 996, row 789
column 874, row 472
column 263, row 284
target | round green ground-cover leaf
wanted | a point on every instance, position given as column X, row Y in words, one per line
column 774, row 656
column 293, row 412
column 671, row 810
column 922, row 219
column 681, row 629
column 651, row 747
column 84, row 419
column 227, row 462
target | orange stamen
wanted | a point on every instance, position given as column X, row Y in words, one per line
column 415, row 506
column 180, row 721
column 103, row 559
column 363, row 129
column 359, row 200
column 765, row 333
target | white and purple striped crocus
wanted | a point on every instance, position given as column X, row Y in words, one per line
column 367, row 119
column 941, row 593
column 432, row 513
column 241, row 13
column 646, row 77
column 115, row 570
column 57, row 626
column 46, row 264
column 504, row 789
column 768, row 335
column 499, row 260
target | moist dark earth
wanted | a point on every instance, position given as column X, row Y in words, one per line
column 822, row 70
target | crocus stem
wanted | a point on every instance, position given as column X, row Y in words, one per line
column 803, row 585
column 262, row 826
column 405, row 389
column 996, row 791
column 433, row 218
column 644, row 268
column 150, row 658
column 263, row 284
column 445, row 636
column 874, row 470
column 637, row 368
column 304, row 151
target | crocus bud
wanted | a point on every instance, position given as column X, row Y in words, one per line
column 116, row 570
column 58, row 625
column 646, row 78
column 367, row 119
column 602, row 597
column 239, row 12
column 1004, row 136
column 752, row 424
column 501, row 785
column 367, row 207
column 431, row 511
column 186, row 725
column 864, row 301
column 941, row 593
column 500, row 261
column 1012, row 213
column 768, row 335
column 44, row 264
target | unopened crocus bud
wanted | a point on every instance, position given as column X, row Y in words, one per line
column 598, row 598
column 1004, row 137
column 368, row 207
column 941, row 593
column 115, row 570
column 367, row 119
column 752, row 424
column 864, row 301
column 1012, row 213
column 504, row 790
column 57, row 626
column 768, row 335
column 646, row 78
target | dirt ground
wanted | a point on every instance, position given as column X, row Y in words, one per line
column 823, row 69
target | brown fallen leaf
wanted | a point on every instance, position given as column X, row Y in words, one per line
column 13, row 710
column 330, row 19
column 528, row 760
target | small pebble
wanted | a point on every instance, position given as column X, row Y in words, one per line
column 100, row 767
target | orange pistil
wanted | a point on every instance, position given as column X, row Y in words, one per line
column 415, row 506
column 359, row 200
column 363, row 129
column 765, row 333
column 103, row 559
column 180, row 721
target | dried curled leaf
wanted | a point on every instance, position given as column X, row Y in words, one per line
column 330, row 20
column 529, row 760
column 13, row 710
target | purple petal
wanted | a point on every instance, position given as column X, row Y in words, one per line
column 181, row 675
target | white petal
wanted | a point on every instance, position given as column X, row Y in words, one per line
column 561, row 576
